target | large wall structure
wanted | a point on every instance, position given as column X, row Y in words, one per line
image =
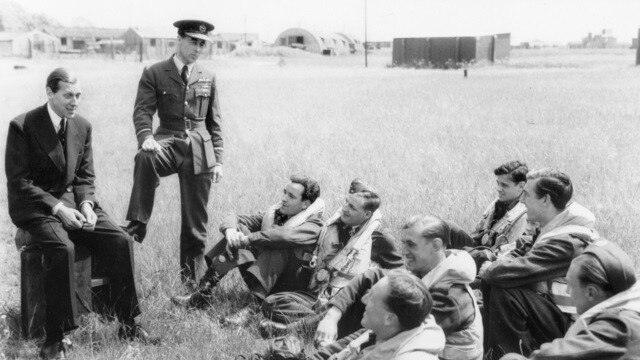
column 441, row 51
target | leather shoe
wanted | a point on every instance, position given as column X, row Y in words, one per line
column 137, row 230
column 240, row 318
column 55, row 351
column 269, row 329
column 137, row 332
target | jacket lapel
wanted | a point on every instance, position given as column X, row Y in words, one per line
column 171, row 70
column 45, row 133
column 73, row 146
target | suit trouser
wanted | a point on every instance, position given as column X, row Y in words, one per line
column 108, row 244
column 519, row 320
column 265, row 271
column 175, row 157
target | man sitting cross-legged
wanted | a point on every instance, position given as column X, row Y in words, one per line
column 398, row 314
column 447, row 274
column 524, row 291
column 350, row 243
column 271, row 249
column 602, row 284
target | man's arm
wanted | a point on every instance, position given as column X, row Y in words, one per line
column 546, row 262
column 283, row 237
column 145, row 106
column 384, row 251
column 606, row 338
column 356, row 288
column 251, row 223
column 213, row 121
column 453, row 308
column 20, row 189
column 84, row 180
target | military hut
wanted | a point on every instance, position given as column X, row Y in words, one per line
column 317, row 42
column 155, row 43
column 82, row 39
column 443, row 51
column 28, row 44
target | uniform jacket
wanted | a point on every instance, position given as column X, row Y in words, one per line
column 543, row 261
column 302, row 239
column 161, row 89
column 421, row 343
column 453, row 303
column 609, row 330
column 38, row 174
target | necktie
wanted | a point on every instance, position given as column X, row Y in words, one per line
column 61, row 131
column 183, row 75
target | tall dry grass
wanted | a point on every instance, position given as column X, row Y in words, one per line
column 427, row 139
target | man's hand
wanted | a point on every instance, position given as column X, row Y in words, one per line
column 150, row 144
column 236, row 239
column 483, row 268
column 217, row 173
column 327, row 331
column 90, row 216
column 71, row 219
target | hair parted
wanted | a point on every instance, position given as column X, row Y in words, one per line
column 58, row 75
column 311, row 187
column 554, row 183
column 430, row 227
column 516, row 170
column 371, row 200
column 408, row 298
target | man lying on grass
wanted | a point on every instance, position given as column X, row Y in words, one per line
column 271, row 249
column 350, row 243
column 446, row 273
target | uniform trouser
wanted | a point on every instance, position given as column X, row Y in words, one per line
column 296, row 309
column 519, row 320
column 265, row 271
column 175, row 157
column 108, row 244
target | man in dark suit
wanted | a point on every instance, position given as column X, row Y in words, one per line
column 187, row 142
column 50, row 181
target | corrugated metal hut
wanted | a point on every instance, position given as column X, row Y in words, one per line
column 28, row 44
column 441, row 51
column 317, row 42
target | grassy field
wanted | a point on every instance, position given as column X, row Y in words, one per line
column 427, row 139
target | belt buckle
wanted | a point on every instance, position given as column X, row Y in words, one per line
column 187, row 126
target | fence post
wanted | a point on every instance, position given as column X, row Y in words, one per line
column 141, row 47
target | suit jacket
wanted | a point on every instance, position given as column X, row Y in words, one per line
column 161, row 89
column 38, row 174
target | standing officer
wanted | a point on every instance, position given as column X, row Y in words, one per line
column 188, row 142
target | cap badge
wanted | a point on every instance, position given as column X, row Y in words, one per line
column 202, row 28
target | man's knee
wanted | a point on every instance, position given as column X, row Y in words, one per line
column 145, row 158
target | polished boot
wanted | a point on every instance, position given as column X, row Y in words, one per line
column 201, row 297
column 137, row 230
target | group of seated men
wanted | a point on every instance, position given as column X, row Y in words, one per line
column 533, row 280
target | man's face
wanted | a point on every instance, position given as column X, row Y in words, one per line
column 535, row 205
column 353, row 212
column 65, row 101
column 507, row 189
column 578, row 292
column 292, row 202
column 190, row 49
column 419, row 253
column 376, row 312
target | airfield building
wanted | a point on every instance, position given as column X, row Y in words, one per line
column 28, row 44
column 319, row 43
column 443, row 51
column 82, row 39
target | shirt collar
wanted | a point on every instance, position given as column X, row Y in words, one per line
column 55, row 118
column 180, row 64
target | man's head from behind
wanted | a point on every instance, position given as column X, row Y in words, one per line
column 359, row 207
column 601, row 271
column 546, row 194
column 424, row 242
column 63, row 92
column 396, row 303
column 510, row 180
column 299, row 193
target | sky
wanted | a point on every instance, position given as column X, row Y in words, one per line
column 553, row 21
